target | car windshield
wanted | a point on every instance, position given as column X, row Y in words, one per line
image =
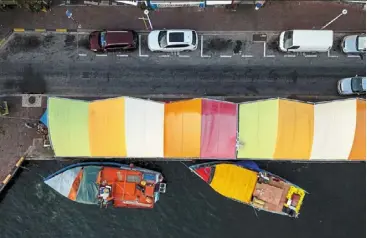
column 361, row 43
column 288, row 39
column 162, row 39
column 102, row 39
column 357, row 85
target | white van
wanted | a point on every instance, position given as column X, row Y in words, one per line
column 306, row 41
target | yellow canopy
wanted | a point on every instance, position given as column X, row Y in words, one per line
column 234, row 182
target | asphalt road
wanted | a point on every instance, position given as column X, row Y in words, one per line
column 51, row 63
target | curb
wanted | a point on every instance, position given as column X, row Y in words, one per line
column 11, row 174
column 65, row 30
column 59, row 30
column 3, row 39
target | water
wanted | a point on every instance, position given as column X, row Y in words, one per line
column 334, row 208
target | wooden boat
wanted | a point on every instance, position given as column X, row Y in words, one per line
column 106, row 183
column 245, row 182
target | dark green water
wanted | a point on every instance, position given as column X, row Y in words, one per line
column 335, row 207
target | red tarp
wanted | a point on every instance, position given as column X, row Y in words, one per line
column 218, row 129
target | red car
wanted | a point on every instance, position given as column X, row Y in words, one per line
column 113, row 40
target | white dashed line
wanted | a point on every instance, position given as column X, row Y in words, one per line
column 310, row 56
column 267, row 56
column 164, row 56
column 101, row 55
column 122, row 55
column 184, row 56
column 290, row 56
column 226, row 56
column 140, row 55
column 247, row 56
column 353, row 56
column 202, row 49
column 82, row 54
column 331, row 56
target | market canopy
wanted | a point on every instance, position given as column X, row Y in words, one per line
column 200, row 128
column 117, row 127
column 275, row 129
column 207, row 129
column 340, row 130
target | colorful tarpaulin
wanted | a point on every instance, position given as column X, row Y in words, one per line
column 293, row 130
column 276, row 128
column 117, row 127
column 208, row 129
column 339, row 119
column 200, row 128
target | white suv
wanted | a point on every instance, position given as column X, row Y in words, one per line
column 173, row 40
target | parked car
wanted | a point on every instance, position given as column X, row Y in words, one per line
column 351, row 86
column 173, row 40
column 354, row 44
column 113, row 40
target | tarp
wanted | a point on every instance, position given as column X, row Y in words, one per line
column 258, row 128
column 44, row 118
column 63, row 182
column 107, row 127
column 182, row 129
column 358, row 151
column 334, row 130
column 208, row 129
column 218, row 129
column 234, row 182
column 295, row 130
column 200, row 128
column 68, row 127
column 144, row 128
column 88, row 188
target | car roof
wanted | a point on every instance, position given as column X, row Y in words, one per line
column 179, row 36
column 119, row 37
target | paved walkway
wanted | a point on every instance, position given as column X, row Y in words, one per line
column 275, row 16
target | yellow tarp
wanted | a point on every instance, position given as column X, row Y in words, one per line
column 358, row 151
column 258, row 127
column 182, row 129
column 295, row 130
column 107, row 128
column 234, row 182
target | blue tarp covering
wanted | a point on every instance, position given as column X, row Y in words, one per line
column 249, row 165
column 88, row 188
column 44, row 118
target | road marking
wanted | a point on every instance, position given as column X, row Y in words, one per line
column 310, row 56
column 247, row 56
column 82, row 54
column 164, row 56
column 140, row 55
column 184, row 56
column 353, row 56
column 101, row 54
column 122, row 55
column 290, row 56
column 202, row 48
column 331, row 56
column 226, row 56
column 265, row 52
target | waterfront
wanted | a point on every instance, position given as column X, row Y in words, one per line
column 334, row 208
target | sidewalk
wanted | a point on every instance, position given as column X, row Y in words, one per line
column 274, row 16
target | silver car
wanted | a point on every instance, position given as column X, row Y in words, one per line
column 354, row 44
column 173, row 40
column 351, row 86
